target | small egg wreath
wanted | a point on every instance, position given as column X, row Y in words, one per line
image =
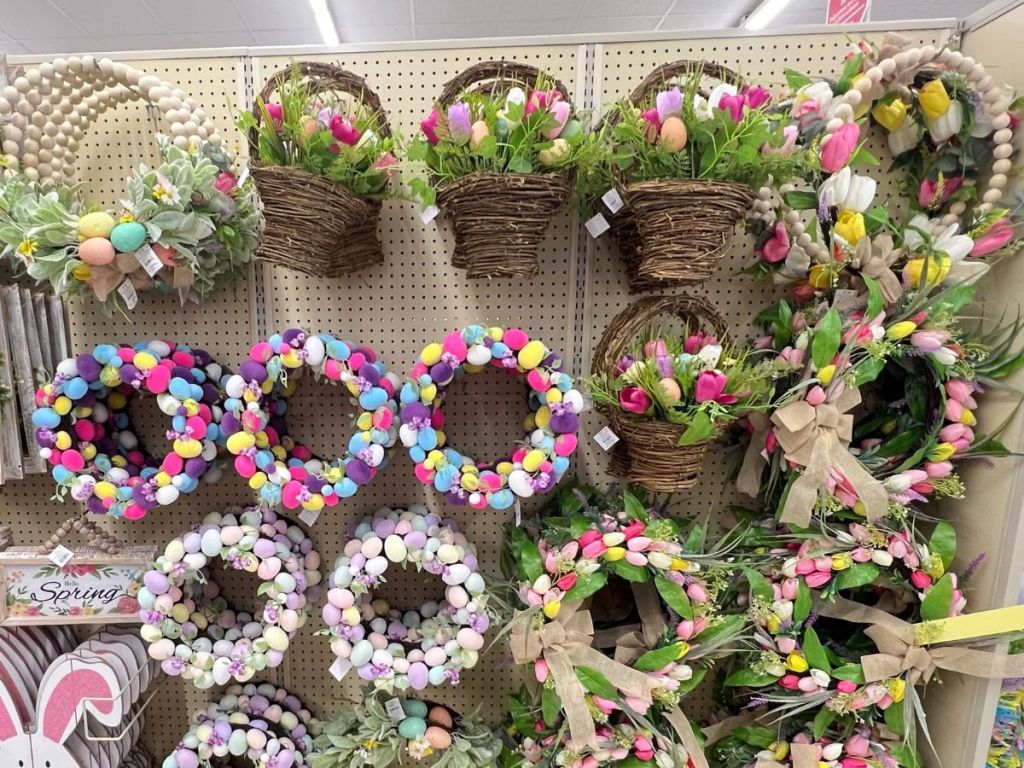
column 553, row 421
column 286, row 472
column 191, row 628
column 84, row 430
column 381, row 733
column 264, row 723
column 415, row 648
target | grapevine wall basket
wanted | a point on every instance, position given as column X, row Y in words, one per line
column 648, row 452
column 315, row 225
column 674, row 231
column 500, row 218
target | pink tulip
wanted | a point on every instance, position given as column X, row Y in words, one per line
column 920, row 579
column 429, row 126
column 929, row 341
column 710, row 387
column 839, row 147
column 756, row 96
column 815, row 396
column 560, row 111
column 697, row 341
column 937, row 469
column 386, row 162
column 344, row 131
column 654, row 348
column 540, row 670
column 934, row 192
column 959, row 389
column 818, row 579
column 684, row 629
column 634, row 529
column 857, row 745
column 853, row 762
column 845, row 686
column 225, row 183
column 589, row 537
column 790, row 134
column 643, row 748
column 954, row 410
column 604, row 705
column 776, row 247
column 994, row 238
column 634, row 400
column 697, row 593
column 637, row 704
column 786, row 645
column 541, row 100
column 790, row 682
column 652, row 125
column 733, row 104
column 276, row 113
column 789, row 588
column 805, row 567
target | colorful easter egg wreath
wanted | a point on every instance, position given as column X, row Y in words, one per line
column 410, row 649
column 84, row 428
column 282, row 470
column 191, row 628
column 264, row 723
column 534, row 467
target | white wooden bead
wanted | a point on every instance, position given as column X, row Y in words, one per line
column 55, row 98
column 33, row 98
column 803, row 239
column 1002, row 166
column 33, row 77
column 69, row 172
column 954, row 59
column 901, row 59
column 863, row 84
column 913, row 57
column 853, row 98
column 60, row 66
column 177, row 129
column 46, row 108
column 792, row 217
column 75, row 64
column 215, row 139
column 28, row 171
column 24, row 108
column 29, row 159
column 61, row 139
column 146, row 82
column 22, row 84
column 181, row 142
column 131, row 77
column 158, row 92
column 73, row 145
column 13, row 132
column 1002, row 136
column 992, row 96
column 927, row 53
column 45, row 155
column 966, row 65
column 5, row 106
column 168, row 103
column 44, row 170
column 106, row 66
column 47, row 143
column 10, row 93
column 202, row 132
column 844, row 112
column 1001, row 121
column 834, row 125
column 120, row 70
column 10, row 147
column 984, row 208
column 190, row 128
column 88, row 63
column 958, row 208
column 92, row 101
column 179, row 93
column 998, row 181
column 992, row 195
column 34, row 132
column 200, row 115
column 888, row 66
column 57, row 164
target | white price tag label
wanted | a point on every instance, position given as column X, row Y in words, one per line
column 612, row 200
column 394, row 709
column 340, row 668
column 309, row 516
column 127, row 291
column 596, row 225
column 429, row 213
column 242, row 178
column 148, row 259
column 519, row 514
column 61, row 555
column 606, row 438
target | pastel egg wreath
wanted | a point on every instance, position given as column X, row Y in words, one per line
column 533, row 467
column 393, row 649
column 84, row 429
column 264, row 723
column 191, row 628
column 282, row 470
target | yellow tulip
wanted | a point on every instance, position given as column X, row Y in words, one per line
column 938, row 270
column 796, row 662
column 890, row 116
column 941, row 452
column 81, row 273
column 933, row 99
column 900, row 330
column 968, row 419
column 820, row 276
column 826, row 374
column 851, row 226
column 615, row 553
column 897, row 688
column 551, row 609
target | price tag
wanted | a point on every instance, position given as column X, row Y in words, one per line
column 61, row 555
column 596, row 225
column 519, row 514
column 606, row 438
column 127, row 291
column 148, row 259
column 243, row 177
column 394, row 709
column 612, row 200
column 309, row 516
column 429, row 213
column 340, row 668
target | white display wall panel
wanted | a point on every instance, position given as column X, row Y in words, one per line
column 414, row 298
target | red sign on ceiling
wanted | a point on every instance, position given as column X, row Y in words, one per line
column 847, row 11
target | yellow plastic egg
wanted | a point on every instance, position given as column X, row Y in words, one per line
column 673, row 134
column 530, row 355
column 365, row 421
column 162, row 479
column 431, row 354
column 62, row 405
column 188, row 449
column 533, row 460
column 95, row 224
column 144, row 361
column 240, row 441
column 62, row 441
column 543, row 417
column 258, row 480
column 116, row 401
column 504, row 468
column 104, row 489
column 495, row 333
column 88, row 451
column 530, row 422
column 554, row 395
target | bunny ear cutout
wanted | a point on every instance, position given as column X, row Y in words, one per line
column 71, row 687
column 10, row 723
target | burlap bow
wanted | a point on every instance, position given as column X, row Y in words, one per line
column 104, row 279
column 901, row 649
column 749, row 479
column 874, row 258
column 816, row 438
column 564, row 644
column 803, row 756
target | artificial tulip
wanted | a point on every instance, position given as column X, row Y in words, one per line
column 634, row 400
column 934, row 192
column 710, row 386
column 838, row 148
column 904, row 139
column 460, row 122
column 933, row 99
column 429, row 126
column 891, row 115
column 851, row 227
column 847, row 191
column 776, row 247
column 992, row 239
column 669, row 103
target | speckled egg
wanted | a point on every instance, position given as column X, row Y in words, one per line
column 96, row 251
column 128, row 236
column 95, row 224
column 673, row 134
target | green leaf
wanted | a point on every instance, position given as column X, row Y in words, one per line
column 857, row 575
column 520, row 164
column 686, row 686
column 596, row 683
column 868, row 369
column 550, row 705
column 854, row 673
column 825, row 343
column 674, row 597
column 749, row 678
column 586, row 585
column 822, row 721
column 630, row 572
column 876, row 219
column 796, row 80
column 526, row 552
column 634, row 507
column 802, row 606
column 876, row 302
column 759, row 586
column 814, row 651
column 725, row 627
column 578, row 525
column 943, row 543
column 801, row 201
column 906, row 756
column 521, row 717
column 895, row 719
column 658, row 658
column 861, row 156
column 701, row 428
column 939, row 600
column 756, row 735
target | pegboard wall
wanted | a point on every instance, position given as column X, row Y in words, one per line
column 413, row 298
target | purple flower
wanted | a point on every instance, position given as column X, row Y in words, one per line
column 669, row 103
column 459, row 122
column 325, row 115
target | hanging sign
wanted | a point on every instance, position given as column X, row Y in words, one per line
column 847, row 11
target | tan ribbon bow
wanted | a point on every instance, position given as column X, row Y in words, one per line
column 874, row 258
column 804, row 756
column 749, row 479
column 816, row 438
column 565, row 644
column 900, row 649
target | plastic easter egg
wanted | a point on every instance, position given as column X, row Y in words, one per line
column 95, row 224
column 477, row 133
column 128, row 236
column 96, row 251
column 412, row 727
column 673, row 134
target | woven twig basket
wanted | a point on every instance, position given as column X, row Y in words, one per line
column 499, row 219
column 647, row 452
column 314, row 225
column 673, row 232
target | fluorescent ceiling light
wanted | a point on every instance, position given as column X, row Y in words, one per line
column 325, row 22
column 765, row 13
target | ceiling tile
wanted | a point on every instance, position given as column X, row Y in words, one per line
column 39, row 23
column 274, row 14
column 236, row 39
column 706, row 20
column 536, row 10
column 197, row 15
column 376, row 34
column 354, row 14
column 458, row 31
column 10, row 47
column 51, row 45
column 538, row 27
column 635, row 8
column 288, row 37
column 436, row 12
column 112, row 17
column 592, row 24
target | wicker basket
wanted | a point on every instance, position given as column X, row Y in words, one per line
column 500, row 219
column 674, row 231
column 314, row 225
column 648, row 452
